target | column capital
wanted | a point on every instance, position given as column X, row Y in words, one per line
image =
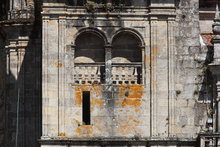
column 71, row 47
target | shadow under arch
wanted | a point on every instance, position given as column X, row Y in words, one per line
column 90, row 46
column 127, row 55
column 94, row 31
column 130, row 31
column 127, row 46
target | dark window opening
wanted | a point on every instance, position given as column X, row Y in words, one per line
column 208, row 4
column 4, row 7
column 86, row 108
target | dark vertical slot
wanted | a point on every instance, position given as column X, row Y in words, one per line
column 86, row 107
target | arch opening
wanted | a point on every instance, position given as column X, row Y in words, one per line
column 126, row 59
column 89, row 58
column 91, row 46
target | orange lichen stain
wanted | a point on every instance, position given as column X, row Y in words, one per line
column 129, row 126
column 128, row 111
column 132, row 91
column 85, row 130
column 131, row 102
column 132, row 95
column 97, row 102
column 155, row 84
column 62, row 134
column 58, row 64
column 136, row 110
column 95, row 91
column 154, row 50
column 79, row 131
column 78, row 96
column 136, row 121
column 147, row 60
column 125, row 129
column 122, row 121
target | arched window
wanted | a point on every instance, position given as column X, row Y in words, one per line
column 89, row 58
column 98, row 62
column 126, row 59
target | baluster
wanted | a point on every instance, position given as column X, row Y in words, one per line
column 119, row 74
column 123, row 75
column 92, row 74
column 86, row 75
column 99, row 75
column 89, row 75
column 83, row 74
column 141, row 77
column 129, row 75
column 96, row 74
column 80, row 76
column 114, row 75
column 135, row 75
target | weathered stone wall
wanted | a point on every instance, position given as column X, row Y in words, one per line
column 167, row 105
column 109, row 115
column 191, row 68
column 170, row 104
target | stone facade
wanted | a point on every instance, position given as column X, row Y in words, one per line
column 129, row 74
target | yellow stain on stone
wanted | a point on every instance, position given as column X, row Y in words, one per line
column 95, row 92
column 130, row 126
column 62, row 134
column 97, row 102
column 147, row 60
column 136, row 121
column 155, row 84
column 154, row 50
column 136, row 110
column 78, row 98
column 84, row 130
column 132, row 95
column 58, row 64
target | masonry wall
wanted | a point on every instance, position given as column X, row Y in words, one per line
column 168, row 105
column 193, row 96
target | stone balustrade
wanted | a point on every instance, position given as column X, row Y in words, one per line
column 21, row 14
column 94, row 74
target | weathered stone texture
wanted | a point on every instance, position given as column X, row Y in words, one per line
column 144, row 67
column 166, row 106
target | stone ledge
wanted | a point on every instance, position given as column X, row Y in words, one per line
column 118, row 142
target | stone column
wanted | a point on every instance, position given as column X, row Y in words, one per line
column 143, row 64
column 108, row 65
